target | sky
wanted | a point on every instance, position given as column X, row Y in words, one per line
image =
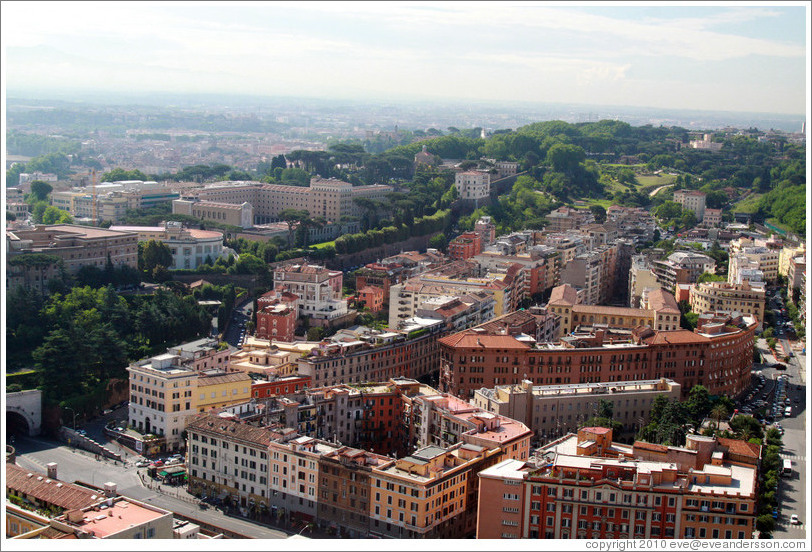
column 750, row 57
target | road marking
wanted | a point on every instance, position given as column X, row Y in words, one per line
column 793, row 457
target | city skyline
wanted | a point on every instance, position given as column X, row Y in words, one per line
column 749, row 58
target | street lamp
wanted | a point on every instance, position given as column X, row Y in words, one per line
column 74, row 416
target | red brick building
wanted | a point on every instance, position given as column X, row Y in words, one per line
column 718, row 355
column 465, row 246
column 380, row 275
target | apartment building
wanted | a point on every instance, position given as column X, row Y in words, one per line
column 797, row 266
column 344, row 491
column 190, row 247
column 202, row 354
column 789, row 252
column 456, row 279
column 594, row 272
column 380, row 275
column 764, row 259
column 318, row 290
column 718, row 355
column 276, row 316
column 551, row 411
column 278, row 386
column 221, row 389
column 746, row 298
column 585, row 485
column 229, row 459
column 540, row 264
column 566, row 218
column 374, row 356
column 162, row 396
column 457, row 313
column 692, row 200
column 372, row 297
column 659, row 310
column 486, row 229
column 682, row 267
column 117, row 517
column 465, row 246
column 712, row 217
column 641, row 278
column 473, row 185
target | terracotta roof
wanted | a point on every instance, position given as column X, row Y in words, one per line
column 661, row 300
column 675, row 336
column 616, row 311
column 563, row 294
column 739, row 447
column 597, row 430
column 471, row 339
column 229, row 429
column 643, row 445
column 52, row 491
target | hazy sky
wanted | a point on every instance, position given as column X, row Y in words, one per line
column 747, row 57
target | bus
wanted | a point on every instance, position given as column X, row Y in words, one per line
column 787, row 471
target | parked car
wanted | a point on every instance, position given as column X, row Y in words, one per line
column 793, row 519
column 142, row 464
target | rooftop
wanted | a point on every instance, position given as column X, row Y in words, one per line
column 39, row 487
column 121, row 516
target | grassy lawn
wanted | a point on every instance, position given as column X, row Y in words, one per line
column 656, row 180
column 747, row 205
column 774, row 222
column 324, row 245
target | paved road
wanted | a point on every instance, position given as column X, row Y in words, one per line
column 77, row 465
column 792, row 490
column 656, row 191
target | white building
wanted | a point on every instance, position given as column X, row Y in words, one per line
column 473, row 184
column 318, row 289
column 190, row 247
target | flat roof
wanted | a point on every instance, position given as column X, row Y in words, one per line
column 117, row 518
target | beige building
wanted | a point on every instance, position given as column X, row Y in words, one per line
column 746, row 298
column 553, row 410
column 762, row 258
column 221, row 389
column 241, row 215
column 787, row 254
column 162, row 395
column 797, row 267
column 692, row 200
column 641, row 278
column 190, row 247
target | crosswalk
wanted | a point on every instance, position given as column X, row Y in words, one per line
column 789, row 528
column 795, row 457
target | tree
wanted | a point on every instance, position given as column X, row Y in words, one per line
column 765, row 524
column 718, row 412
column 154, row 253
column 10, row 216
column 40, row 189
column 698, row 403
column 292, row 217
column 316, row 333
column 565, row 158
column 54, row 215
column 599, row 212
column 119, row 174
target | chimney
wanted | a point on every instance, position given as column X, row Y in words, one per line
column 52, row 470
column 110, row 489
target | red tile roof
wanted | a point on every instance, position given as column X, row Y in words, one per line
column 675, row 337
column 742, row 448
column 470, row 339
column 51, row 491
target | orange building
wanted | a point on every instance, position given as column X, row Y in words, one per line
column 465, row 246
column 373, row 297
column 718, row 355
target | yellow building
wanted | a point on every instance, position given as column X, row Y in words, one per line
column 222, row 389
column 787, row 254
column 747, row 298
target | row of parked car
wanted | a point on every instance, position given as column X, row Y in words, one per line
column 160, row 462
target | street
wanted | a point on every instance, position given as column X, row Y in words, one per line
column 792, row 490
column 77, row 465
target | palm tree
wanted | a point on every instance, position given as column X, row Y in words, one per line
column 718, row 412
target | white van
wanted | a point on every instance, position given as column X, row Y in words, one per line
column 788, row 412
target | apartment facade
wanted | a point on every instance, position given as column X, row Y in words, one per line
column 692, row 200
column 718, row 355
column 190, row 247
column 465, row 246
column 591, row 487
column 746, row 298
column 682, row 267
column 317, row 289
column 162, row 396
column 551, row 411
